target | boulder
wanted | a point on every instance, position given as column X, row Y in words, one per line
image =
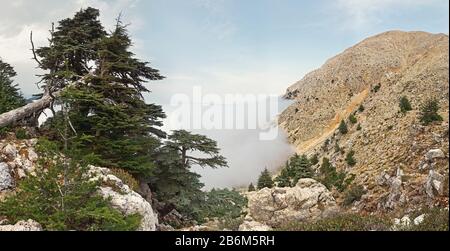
column 402, row 224
column 419, row 219
column 254, row 226
column 435, row 184
column 32, row 155
column 435, row 154
column 6, row 180
column 307, row 201
column 395, row 193
column 10, row 151
column 29, row 225
column 125, row 199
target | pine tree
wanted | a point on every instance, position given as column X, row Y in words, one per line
column 175, row 185
column 251, row 188
column 298, row 167
column 350, row 158
column 72, row 49
column 265, row 180
column 172, row 180
column 330, row 177
column 10, row 98
column 429, row 112
column 185, row 142
column 343, row 127
column 405, row 105
column 301, row 168
column 285, row 177
column 107, row 112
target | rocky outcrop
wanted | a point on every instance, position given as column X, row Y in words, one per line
column 308, row 200
column 29, row 225
column 435, row 184
column 124, row 199
column 395, row 196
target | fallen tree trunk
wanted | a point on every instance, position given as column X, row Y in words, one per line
column 24, row 112
column 35, row 108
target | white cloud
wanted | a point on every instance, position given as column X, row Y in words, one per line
column 360, row 14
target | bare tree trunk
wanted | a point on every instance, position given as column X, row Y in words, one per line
column 33, row 109
column 24, row 112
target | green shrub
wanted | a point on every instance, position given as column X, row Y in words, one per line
column 314, row 160
column 354, row 193
column 350, row 158
column 405, row 105
column 376, row 88
column 436, row 219
column 231, row 223
column 126, row 177
column 337, row 148
column 343, row 127
column 353, row 119
column 361, row 108
column 60, row 197
column 21, row 134
column 359, row 128
column 325, row 144
column 429, row 112
column 330, row 177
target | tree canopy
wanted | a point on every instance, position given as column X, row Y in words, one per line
column 10, row 97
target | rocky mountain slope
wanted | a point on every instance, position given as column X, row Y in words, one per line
column 400, row 162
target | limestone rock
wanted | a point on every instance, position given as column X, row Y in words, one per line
column 308, row 200
column 419, row 219
column 254, row 226
column 10, row 151
column 6, row 180
column 125, row 199
column 435, row 184
column 401, row 224
column 435, row 154
column 28, row 225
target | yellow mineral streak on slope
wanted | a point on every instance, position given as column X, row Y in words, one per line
column 333, row 124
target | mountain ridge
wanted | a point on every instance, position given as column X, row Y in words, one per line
column 374, row 74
